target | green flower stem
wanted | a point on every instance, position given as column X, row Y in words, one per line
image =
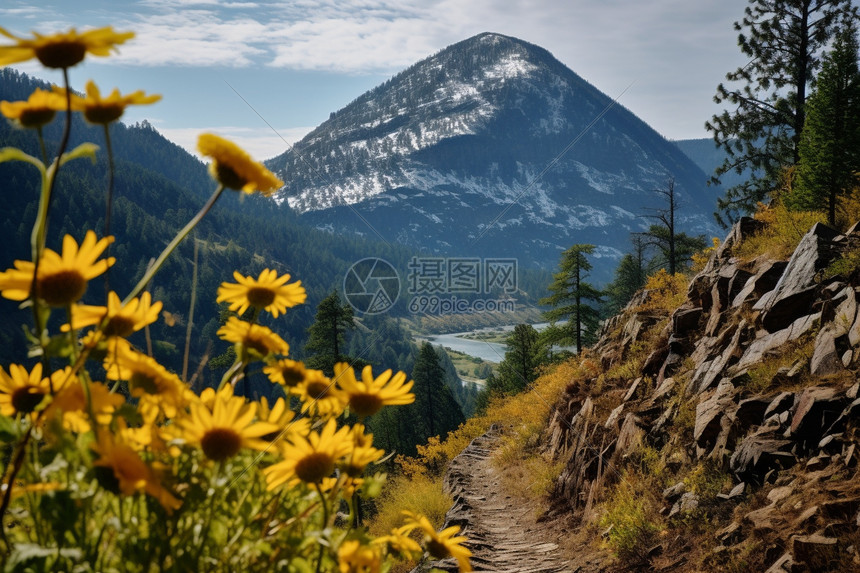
column 173, row 244
column 40, row 228
column 109, row 202
column 42, row 147
column 324, row 525
column 190, row 314
column 239, row 364
column 17, row 463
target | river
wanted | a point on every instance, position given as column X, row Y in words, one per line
column 489, row 351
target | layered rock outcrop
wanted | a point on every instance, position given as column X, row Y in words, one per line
column 755, row 376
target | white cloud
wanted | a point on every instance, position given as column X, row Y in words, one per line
column 260, row 143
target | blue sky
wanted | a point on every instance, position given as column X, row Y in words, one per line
column 296, row 61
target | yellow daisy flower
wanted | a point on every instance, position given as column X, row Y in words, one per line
column 225, row 428
column 283, row 418
column 21, row 392
column 443, row 544
column 400, row 544
column 125, row 473
column 122, row 320
column 268, row 292
column 370, row 394
column 361, row 454
column 234, row 168
column 310, row 460
column 254, row 337
column 62, row 278
column 147, row 379
column 62, row 50
column 319, row 395
column 104, row 110
column 353, row 557
column 70, row 402
column 38, row 110
column 286, row 372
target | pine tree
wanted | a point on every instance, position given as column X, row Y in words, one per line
column 572, row 299
column 326, row 336
column 762, row 129
column 830, row 145
column 630, row 276
column 527, row 352
column 436, row 407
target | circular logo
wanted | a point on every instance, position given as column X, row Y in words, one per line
column 371, row 286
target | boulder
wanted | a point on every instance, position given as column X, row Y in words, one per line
column 762, row 345
column 730, row 534
column 631, row 392
column 709, row 413
column 826, row 358
column 629, row 436
column 817, row 408
column 782, row 402
column 815, row 551
column 762, row 282
column 672, row 493
column 795, row 292
column 784, row 564
column 765, row 519
column 759, row 453
column 751, row 411
column 685, row 320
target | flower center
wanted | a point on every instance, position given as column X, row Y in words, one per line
column 36, row 117
column 145, row 382
column 260, row 297
column 26, row 399
column 121, row 326
column 365, row 404
column 61, row 54
column 228, row 177
column 292, row 376
column 62, row 288
column 104, row 113
column 257, row 345
column 314, row 467
column 220, row 443
column 318, row 390
column 438, row 549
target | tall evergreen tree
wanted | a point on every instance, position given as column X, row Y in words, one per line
column 326, row 336
column 572, row 299
column 527, row 352
column 761, row 131
column 830, row 145
column 436, row 407
column 629, row 277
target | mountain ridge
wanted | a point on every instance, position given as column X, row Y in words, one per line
column 490, row 141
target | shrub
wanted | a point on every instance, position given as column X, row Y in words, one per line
column 630, row 515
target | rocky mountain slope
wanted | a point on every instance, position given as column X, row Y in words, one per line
column 713, row 427
column 490, row 147
column 730, row 424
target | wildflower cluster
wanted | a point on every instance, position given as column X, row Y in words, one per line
column 111, row 462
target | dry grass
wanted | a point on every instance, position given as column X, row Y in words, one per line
column 781, row 235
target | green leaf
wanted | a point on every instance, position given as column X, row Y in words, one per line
column 15, row 154
column 86, row 149
column 9, row 431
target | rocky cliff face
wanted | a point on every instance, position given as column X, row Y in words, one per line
column 741, row 413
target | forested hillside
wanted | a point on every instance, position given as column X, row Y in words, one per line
column 158, row 188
